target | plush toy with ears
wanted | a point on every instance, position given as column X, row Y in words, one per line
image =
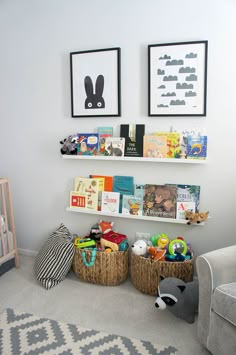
column 179, row 297
column 196, row 217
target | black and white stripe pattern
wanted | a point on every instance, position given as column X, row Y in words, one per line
column 54, row 260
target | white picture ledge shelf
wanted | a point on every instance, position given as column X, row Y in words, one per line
column 139, row 159
column 120, row 215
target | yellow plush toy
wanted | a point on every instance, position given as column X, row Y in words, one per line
column 197, row 217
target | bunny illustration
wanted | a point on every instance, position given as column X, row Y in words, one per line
column 94, row 100
column 114, row 151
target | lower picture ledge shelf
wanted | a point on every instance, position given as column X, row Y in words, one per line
column 120, row 215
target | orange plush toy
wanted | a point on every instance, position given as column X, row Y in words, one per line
column 157, row 253
column 196, row 217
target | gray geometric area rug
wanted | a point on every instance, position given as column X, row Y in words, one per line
column 24, row 333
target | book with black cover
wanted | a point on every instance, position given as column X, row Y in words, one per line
column 133, row 134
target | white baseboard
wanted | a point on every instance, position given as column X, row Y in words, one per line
column 27, row 252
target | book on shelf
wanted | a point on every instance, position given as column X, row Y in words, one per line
column 197, row 147
column 101, row 187
column 155, row 146
column 160, row 201
column 139, row 190
column 172, row 142
column 115, row 146
column 133, row 134
column 185, row 133
column 85, row 193
column 108, row 181
column 132, row 205
column 88, row 144
column 110, row 202
column 124, row 185
column 104, row 132
column 189, row 193
column 182, row 207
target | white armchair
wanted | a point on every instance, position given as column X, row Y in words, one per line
column 217, row 300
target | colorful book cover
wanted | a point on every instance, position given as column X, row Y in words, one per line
column 155, row 146
column 115, row 146
column 189, row 193
column 133, row 134
column 197, row 147
column 160, row 201
column 132, row 205
column 182, row 207
column 124, row 185
column 88, row 144
column 184, row 134
column 101, row 187
column 85, row 194
column 104, row 132
column 110, row 202
column 108, row 181
column 173, row 143
column 139, row 190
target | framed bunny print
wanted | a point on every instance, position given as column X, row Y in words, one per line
column 177, row 79
column 95, row 83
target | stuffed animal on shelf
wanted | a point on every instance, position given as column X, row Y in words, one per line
column 197, row 217
column 181, row 298
column 140, row 247
column 69, row 145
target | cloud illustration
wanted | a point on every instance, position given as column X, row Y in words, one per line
column 161, row 105
column 187, row 70
column 165, row 57
column 190, row 94
column 170, row 78
column 177, row 102
column 191, row 77
column 169, row 94
column 191, row 55
column 175, row 62
column 160, row 72
column 184, row 86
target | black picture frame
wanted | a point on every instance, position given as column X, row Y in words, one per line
column 95, row 83
column 177, row 79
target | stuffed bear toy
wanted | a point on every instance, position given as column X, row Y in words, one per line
column 179, row 297
column 140, row 247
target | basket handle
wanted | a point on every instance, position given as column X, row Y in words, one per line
column 92, row 260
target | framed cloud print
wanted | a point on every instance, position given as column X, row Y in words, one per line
column 177, row 79
column 95, row 83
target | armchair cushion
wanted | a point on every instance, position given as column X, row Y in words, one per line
column 224, row 302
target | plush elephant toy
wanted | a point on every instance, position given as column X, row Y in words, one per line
column 179, row 297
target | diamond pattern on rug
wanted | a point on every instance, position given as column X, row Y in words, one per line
column 23, row 333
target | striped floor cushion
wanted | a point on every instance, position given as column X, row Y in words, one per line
column 54, row 260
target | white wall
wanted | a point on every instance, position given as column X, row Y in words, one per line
column 36, row 38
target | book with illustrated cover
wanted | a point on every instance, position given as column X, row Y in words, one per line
column 115, row 146
column 182, row 207
column 155, row 146
column 133, row 134
column 160, row 201
column 101, row 187
column 173, row 143
column 139, row 190
column 110, row 202
column 132, row 205
column 197, row 147
column 108, row 181
column 189, row 193
column 85, row 194
column 88, row 144
column 124, row 185
column 185, row 133
column 104, row 132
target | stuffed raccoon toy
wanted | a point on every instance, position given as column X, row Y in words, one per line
column 181, row 298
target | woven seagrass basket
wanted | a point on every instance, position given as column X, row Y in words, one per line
column 145, row 273
column 109, row 269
